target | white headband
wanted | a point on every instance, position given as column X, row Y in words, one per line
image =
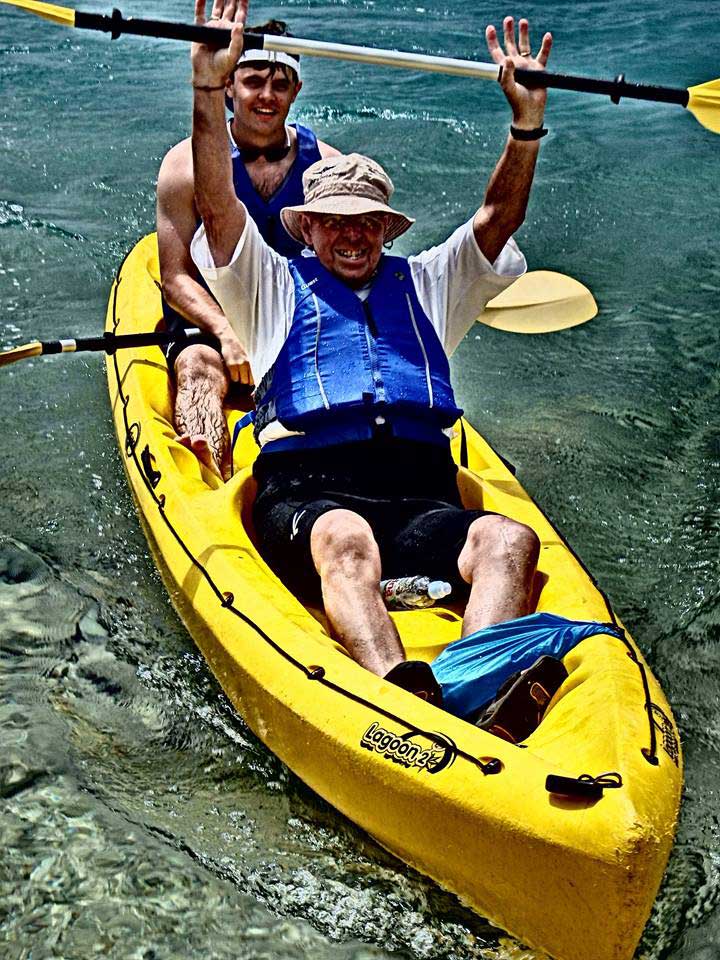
column 273, row 56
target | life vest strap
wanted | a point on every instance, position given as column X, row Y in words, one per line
column 359, row 427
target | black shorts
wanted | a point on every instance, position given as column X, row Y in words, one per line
column 406, row 491
column 175, row 323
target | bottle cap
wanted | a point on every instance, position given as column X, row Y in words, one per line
column 438, row 589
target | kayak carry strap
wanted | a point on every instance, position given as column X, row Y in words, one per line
column 584, row 787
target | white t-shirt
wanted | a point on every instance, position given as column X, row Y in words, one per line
column 454, row 281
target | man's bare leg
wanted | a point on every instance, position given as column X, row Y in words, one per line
column 347, row 559
column 202, row 385
column 498, row 561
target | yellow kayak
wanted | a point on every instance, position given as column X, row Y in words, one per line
column 575, row 876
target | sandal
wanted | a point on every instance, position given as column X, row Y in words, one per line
column 522, row 700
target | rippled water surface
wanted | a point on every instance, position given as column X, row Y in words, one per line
column 140, row 818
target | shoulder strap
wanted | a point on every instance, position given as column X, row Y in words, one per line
column 308, row 149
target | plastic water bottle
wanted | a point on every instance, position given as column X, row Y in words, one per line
column 408, row 593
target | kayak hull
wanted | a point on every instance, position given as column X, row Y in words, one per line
column 576, row 878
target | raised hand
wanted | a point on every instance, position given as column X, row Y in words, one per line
column 211, row 66
column 528, row 106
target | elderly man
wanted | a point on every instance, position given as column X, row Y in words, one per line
column 349, row 349
column 269, row 157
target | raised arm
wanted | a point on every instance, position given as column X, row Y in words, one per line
column 223, row 215
column 176, row 225
column 508, row 191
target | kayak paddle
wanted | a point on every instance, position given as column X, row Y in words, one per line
column 538, row 302
column 107, row 343
column 702, row 100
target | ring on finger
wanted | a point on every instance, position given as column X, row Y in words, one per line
column 214, row 17
column 525, row 53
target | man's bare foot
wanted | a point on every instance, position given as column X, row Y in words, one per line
column 203, row 451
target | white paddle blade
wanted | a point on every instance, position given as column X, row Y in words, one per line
column 541, row 301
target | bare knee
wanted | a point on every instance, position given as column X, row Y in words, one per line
column 342, row 544
column 201, row 368
column 501, row 542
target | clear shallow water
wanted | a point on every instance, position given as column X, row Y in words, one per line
column 139, row 816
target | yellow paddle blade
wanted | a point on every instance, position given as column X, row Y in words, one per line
column 48, row 11
column 704, row 104
column 20, row 353
column 540, row 302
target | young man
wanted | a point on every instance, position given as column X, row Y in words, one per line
column 349, row 350
column 269, row 158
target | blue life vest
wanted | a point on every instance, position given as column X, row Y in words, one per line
column 350, row 370
column 266, row 213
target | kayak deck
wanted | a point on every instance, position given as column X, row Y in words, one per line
column 576, row 878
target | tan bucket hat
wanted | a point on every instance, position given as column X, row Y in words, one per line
column 346, row 185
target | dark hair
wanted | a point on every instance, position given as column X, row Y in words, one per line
column 276, row 28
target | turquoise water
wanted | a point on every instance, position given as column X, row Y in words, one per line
column 140, row 818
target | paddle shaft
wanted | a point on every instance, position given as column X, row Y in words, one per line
column 107, row 343
column 116, row 24
column 110, row 342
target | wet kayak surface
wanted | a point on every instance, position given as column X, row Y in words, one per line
column 140, row 817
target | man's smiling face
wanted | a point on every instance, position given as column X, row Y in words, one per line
column 350, row 247
column 262, row 100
